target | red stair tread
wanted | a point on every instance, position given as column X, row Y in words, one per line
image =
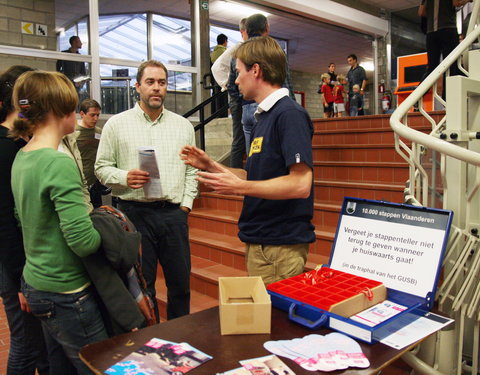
column 220, row 241
column 211, row 271
column 233, row 243
column 368, row 130
column 205, row 211
column 363, row 185
column 354, row 164
column 223, row 196
column 354, row 146
column 221, row 215
column 327, row 206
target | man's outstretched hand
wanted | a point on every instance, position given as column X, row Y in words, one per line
column 223, row 181
column 197, row 158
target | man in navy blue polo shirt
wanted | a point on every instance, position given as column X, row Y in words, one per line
column 275, row 222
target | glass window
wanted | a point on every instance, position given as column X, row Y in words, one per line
column 82, row 27
column 123, row 36
column 179, row 95
column 171, row 40
column 117, row 88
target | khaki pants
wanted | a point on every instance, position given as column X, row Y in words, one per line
column 275, row 262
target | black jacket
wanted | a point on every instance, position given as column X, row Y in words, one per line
column 12, row 254
column 107, row 269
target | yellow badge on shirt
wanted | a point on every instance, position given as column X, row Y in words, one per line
column 256, row 146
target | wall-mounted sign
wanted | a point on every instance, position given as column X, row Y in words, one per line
column 205, row 5
column 27, row 28
column 41, row 29
column 34, row 29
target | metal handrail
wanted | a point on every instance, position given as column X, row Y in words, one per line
column 427, row 140
column 458, row 295
column 204, row 121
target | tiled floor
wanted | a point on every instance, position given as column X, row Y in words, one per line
column 4, row 340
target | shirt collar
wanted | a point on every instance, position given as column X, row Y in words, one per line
column 141, row 113
column 267, row 103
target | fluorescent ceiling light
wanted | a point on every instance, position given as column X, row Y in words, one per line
column 240, row 9
column 368, row 66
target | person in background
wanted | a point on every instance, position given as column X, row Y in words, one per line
column 219, row 103
column 339, row 95
column 256, row 25
column 356, row 76
column 73, row 69
column 55, row 222
column 161, row 218
column 27, row 348
column 331, row 72
column 88, row 137
column 221, row 72
column 69, row 147
column 277, row 184
column 327, row 96
column 356, row 101
column 442, row 35
column 221, row 47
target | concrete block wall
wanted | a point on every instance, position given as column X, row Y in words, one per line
column 12, row 14
column 308, row 83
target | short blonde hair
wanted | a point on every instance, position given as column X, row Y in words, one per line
column 325, row 75
column 356, row 86
column 36, row 94
column 341, row 77
column 267, row 53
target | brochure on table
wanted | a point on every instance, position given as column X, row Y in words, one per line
column 401, row 246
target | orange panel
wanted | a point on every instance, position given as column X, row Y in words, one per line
column 410, row 62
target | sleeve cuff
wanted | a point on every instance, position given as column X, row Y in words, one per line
column 123, row 178
column 187, row 202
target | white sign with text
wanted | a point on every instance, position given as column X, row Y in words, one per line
column 404, row 257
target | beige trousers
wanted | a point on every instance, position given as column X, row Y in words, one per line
column 275, row 262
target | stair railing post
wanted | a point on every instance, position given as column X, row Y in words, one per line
column 202, row 128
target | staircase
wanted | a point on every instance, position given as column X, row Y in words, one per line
column 353, row 156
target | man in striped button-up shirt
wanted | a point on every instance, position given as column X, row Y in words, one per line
column 162, row 220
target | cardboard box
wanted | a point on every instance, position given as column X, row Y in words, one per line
column 398, row 245
column 245, row 306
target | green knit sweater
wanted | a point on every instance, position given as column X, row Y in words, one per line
column 56, row 228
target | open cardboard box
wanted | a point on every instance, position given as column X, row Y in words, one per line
column 245, row 306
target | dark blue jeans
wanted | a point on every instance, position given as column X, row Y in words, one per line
column 164, row 229
column 70, row 321
column 238, row 142
column 248, row 121
column 27, row 347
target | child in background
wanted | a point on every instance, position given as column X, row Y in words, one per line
column 327, row 96
column 356, row 102
column 339, row 95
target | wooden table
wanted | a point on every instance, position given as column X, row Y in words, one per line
column 202, row 330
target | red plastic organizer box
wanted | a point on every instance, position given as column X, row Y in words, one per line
column 331, row 290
